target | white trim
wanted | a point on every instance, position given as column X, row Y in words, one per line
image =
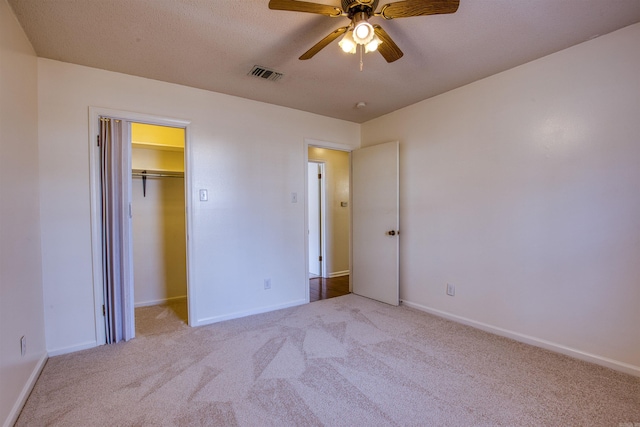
column 188, row 219
column 339, row 274
column 159, row 301
column 323, row 218
column 26, row 391
column 65, row 350
column 131, row 116
column 96, row 229
column 128, row 308
column 305, row 231
column 239, row 314
column 326, row 144
column 96, row 246
column 527, row 339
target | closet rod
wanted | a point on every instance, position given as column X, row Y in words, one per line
column 156, row 175
column 144, row 175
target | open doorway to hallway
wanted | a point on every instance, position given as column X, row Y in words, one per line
column 329, row 222
column 324, row 288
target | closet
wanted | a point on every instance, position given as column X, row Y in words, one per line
column 158, row 215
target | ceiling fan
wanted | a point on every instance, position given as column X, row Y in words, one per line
column 360, row 32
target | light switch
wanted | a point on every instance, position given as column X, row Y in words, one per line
column 294, row 197
column 204, row 195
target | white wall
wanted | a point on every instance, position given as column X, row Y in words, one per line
column 523, row 190
column 249, row 155
column 337, row 217
column 21, row 309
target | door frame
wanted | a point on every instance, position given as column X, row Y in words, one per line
column 95, row 200
column 322, row 215
column 309, row 142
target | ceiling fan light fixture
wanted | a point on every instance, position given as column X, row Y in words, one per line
column 363, row 33
column 372, row 46
column 362, row 30
column 347, row 43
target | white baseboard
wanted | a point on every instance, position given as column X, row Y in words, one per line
column 338, row 274
column 159, row 301
column 26, row 391
column 238, row 314
column 73, row 348
column 527, row 339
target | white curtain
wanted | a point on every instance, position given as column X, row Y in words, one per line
column 116, row 231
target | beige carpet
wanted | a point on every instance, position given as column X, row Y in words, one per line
column 347, row 361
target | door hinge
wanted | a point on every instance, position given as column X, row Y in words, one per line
column 98, row 138
column 104, row 311
column 319, row 176
column 320, row 258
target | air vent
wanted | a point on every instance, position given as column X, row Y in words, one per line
column 265, row 73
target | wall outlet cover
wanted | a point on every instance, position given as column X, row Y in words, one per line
column 451, row 290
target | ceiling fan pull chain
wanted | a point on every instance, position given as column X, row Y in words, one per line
column 361, row 49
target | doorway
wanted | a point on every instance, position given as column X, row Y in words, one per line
column 125, row 305
column 373, row 186
column 158, row 227
column 329, row 217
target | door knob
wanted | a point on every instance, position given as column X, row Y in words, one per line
column 391, row 233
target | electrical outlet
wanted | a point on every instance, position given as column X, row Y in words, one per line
column 23, row 345
column 267, row 284
column 451, row 289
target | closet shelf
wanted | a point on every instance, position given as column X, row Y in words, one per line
column 156, row 146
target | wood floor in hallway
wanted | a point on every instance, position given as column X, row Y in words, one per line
column 324, row 288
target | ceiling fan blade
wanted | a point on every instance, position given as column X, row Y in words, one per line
column 407, row 8
column 322, row 43
column 303, row 6
column 388, row 49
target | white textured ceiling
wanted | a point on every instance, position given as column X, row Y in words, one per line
column 213, row 44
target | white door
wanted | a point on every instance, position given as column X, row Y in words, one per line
column 375, row 219
column 315, row 241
